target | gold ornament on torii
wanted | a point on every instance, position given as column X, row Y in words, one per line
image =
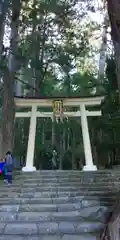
column 58, row 107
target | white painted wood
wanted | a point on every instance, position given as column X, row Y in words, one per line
column 86, row 141
column 67, row 102
column 50, row 114
column 22, row 114
column 31, row 142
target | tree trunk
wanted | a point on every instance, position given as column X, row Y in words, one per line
column 43, row 131
column 8, row 114
column 94, row 147
column 74, row 165
column 64, row 139
column 53, row 132
column 103, row 49
column 18, row 88
column 68, row 135
column 111, row 232
column 114, row 16
column 117, row 61
column 3, row 11
column 61, row 145
column 8, row 110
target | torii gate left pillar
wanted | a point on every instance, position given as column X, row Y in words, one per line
column 31, row 142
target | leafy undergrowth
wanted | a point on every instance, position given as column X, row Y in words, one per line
column 1, row 177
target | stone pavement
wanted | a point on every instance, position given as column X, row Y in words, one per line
column 57, row 205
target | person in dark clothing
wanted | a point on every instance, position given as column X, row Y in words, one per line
column 54, row 159
column 8, row 168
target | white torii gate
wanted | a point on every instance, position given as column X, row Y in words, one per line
column 67, row 102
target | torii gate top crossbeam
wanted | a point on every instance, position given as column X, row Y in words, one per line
column 67, row 101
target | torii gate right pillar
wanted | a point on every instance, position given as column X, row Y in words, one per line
column 86, row 141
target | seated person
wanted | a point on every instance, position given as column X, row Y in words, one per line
column 2, row 163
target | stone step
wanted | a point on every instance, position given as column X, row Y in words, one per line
column 60, row 191
column 53, row 237
column 69, row 188
column 96, row 213
column 62, row 203
column 103, row 200
column 57, row 194
column 63, row 194
column 59, row 200
column 75, row 183
column 50, row 228
column 54, row 194
column 73, row 172
column 59, row 188
column 49, row 207
column 67, row 179
column 50, row 185
column 51, row 192
column 71, row 179
column 68, row 182
column 67, row 174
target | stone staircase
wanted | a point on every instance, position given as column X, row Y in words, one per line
column 57, row 205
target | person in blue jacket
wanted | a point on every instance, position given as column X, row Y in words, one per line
column 8, row 168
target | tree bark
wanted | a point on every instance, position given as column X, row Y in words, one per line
column 111, row 232
column 53, row 131
column 114, row 16
column 94, row 146
column 3, row 11
column 43, row 131
column 61, row 145
column 103, row 49
column 74, row 165
column 8, row 110
column 68, row 134
column 117, row 61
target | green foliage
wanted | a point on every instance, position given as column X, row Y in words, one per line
column 52, row 38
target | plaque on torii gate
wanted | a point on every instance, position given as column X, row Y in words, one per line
column 58, row 109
